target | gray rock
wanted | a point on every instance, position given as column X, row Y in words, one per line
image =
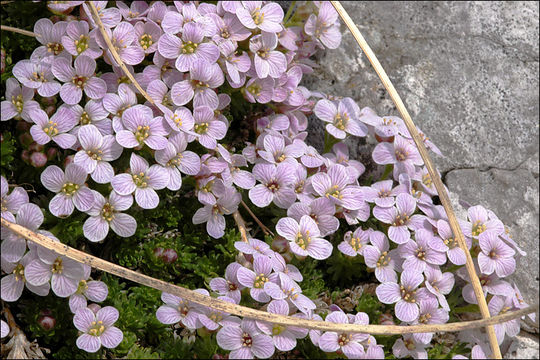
column 523, row 346
column 468, row 74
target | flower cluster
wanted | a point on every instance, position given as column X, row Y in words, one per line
column 195, row 62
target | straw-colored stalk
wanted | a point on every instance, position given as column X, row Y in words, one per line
column 419, row 141
column 17, row 30
column 243, row 311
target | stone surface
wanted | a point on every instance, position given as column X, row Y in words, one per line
column 468, row 74
column 523, row 346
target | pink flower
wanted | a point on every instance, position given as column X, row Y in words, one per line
column 245, row 341
column 207, row 127
column 50, row 36
column 124, row 40
column 406, row 295
column 148, row 34
column 418, row 254
column 353, row 243
column 267, row 61
column 97, row 151
column 106, row 213
column 142, row 128
column 13, row 284
column 79, row 41
column 336, row 185
column 78, row 79
column 409, row 347
column 10, row 204
column 228, row 286
column 143, row 180
column 347, row 343
column 55, row 128
column 175, row 159
column 18, row 103
column 38, row 76
column 325, row 26
column 321, row 210
column 98, row 329
column 341, row 119
column 499, row 305
column 268, row 19
column 284, row 337
column 399, row 218
column 70, row 189
column 259, row 90
column 304, row 237
column 290, row 291
column 378, row 256
column 213, row 214
column 401, row 153
column 446, row 242
column 177, row 310
column 13, row 246
column 496, row 256
column 203, row 79
column 235, row 65
column 256, row 279
column 275, row 185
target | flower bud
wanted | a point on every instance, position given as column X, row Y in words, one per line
column 68, row 160
column 386, row 319
column 280, row 244
column 38, row 159
column 50, row 110
column 158, row 252
column 169, row 256
column 94, row 307
column 46, row 320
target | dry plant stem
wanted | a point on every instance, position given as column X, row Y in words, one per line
column 114, row 53
column 17, row 30
column 261, row 225
column 443, row 195
column 247, row 312
column 241, row 226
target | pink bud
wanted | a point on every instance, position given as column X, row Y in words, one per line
column 158, row 252
column 280, row 244
column 386, row 319
column 47, row 322
column 38, row 159
column 94, row 307
column 169, row 256
column 68, row 160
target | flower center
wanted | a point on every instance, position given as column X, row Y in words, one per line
column 118, row 44
column 421, row 253
column 384, row 193
column 107, row 212
column 79, row 81
column 344, row 339
column 355, row 243
column 254, row 89
column 17, row 101
column 97, row 328
column 55, row 48
column 340, row 121
column 215, row 317
column 232, row 286
column 82, row 43
column 142, row 133
column 120, row 111
column 57, row 267
column 146, row 41
column 400, row 220
column 278, row 329
column 123, row 80
column 424, row 318
column 493, row 254
column 19, row 272
column 450, row 242
column 141, row 180
column 183, row 307
column 40, row 77
column 51, row 128
column 408, row 294
column 95, row 155
column 504, row 310
column 85, row 118
column 4, row 206
column 82, row 287
column 484, row 280
column 334, row 192
column 273, row 186
column 225, row 33
column 409, row 344
column 299, row 188
column 201, row 128
column 257, row 16
column 302, row 240
column 388, row 122
column 70, row 188
column 401, row 155
column 175, row 161
column 260, row 280
column 246, row 340
column 189, row 47
column 264, row 53
column 384, row 259
column 426, row 180
column 478, row 228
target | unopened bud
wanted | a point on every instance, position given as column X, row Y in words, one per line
column 46, row 320
column 25, row 139
column 94, row 307
column 25, row 156
column 68, row 160
column 38, row 159
column 51, row 153
column 50, row 110
column 35, row 147
column 169, row 256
